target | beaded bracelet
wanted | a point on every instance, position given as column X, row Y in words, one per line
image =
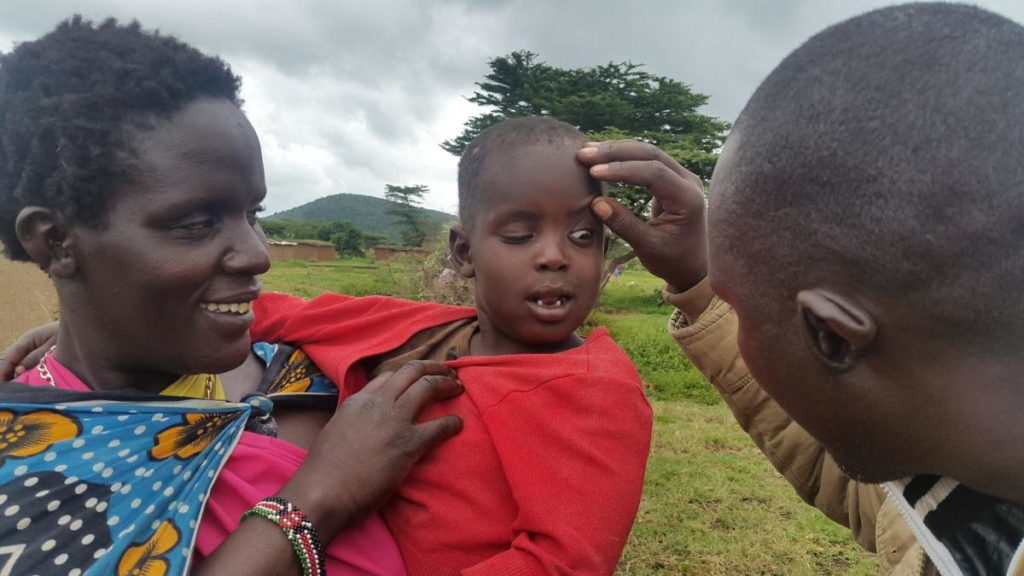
column 297, row 528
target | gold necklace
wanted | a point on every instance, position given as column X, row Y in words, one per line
column 44, row 372
column 209, row 386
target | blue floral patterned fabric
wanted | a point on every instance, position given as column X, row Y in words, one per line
column 288, row 370
column 106, row 483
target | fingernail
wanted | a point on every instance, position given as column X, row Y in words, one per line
column 599, row 170
column 601, row 208
column 19, row 370
column 591, row 144
column 588, row 150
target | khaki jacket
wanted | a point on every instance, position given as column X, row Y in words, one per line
column 708, row 338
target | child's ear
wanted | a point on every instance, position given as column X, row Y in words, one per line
column 43, row 234
column 840, row 330
column 459, row 252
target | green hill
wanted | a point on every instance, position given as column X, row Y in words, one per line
column 367, row 213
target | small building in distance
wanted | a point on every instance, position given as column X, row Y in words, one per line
column 285, row 250
column 389, row 252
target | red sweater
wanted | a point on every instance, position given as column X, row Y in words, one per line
column 546, row 475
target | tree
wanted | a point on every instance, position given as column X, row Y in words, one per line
column 348, row 242
column 614, row 101
column 415, row 228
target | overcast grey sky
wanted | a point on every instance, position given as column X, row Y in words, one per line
column 347, row 96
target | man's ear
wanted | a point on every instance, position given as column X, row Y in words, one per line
column 459, row 253
column 43, row 234
column 840, row 330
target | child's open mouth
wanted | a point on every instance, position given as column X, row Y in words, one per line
column 550, row 306
column 551, row 301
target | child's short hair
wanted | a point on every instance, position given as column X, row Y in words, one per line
column 887, row 152
column 65, row 101
column 516, row 132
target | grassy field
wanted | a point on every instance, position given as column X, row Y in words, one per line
column 712, row 504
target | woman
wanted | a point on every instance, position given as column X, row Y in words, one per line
column 130, row 175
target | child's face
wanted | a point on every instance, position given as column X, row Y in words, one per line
column 535, row 249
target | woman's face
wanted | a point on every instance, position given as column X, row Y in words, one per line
column 165, row 286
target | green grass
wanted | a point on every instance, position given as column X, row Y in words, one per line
column 712, row 504
column 353, row 276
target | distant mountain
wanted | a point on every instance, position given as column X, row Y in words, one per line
column 367, row 213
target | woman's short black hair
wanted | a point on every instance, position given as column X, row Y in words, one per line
column 69, row 103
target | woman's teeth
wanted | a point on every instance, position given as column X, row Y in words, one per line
column 233, row 308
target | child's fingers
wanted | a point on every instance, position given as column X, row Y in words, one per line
column 27, row 350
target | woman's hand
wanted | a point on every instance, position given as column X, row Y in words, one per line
column 673, row 243
column 371, row 444
column 360, row 457
column 27, row 350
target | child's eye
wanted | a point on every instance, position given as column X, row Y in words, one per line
column 584, row 235
column 516, row 238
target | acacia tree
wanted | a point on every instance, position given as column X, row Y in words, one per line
column 415, row 227
column 613, row 101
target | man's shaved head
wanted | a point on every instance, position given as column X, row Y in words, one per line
column 887, row 153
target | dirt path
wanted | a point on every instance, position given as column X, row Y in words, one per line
column 27, row 299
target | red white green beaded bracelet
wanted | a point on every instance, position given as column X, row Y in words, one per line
column 297, row 528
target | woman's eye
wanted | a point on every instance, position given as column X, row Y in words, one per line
column 253, row 214
column 583, row 235
column 196, row 228
column 516, row 238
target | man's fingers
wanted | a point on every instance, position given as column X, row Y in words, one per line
column 675, row 193
column 620, row 220
column 627, row 151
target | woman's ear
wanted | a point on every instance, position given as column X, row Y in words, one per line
column 43, row 235
column 840, row 330
column 459, row 252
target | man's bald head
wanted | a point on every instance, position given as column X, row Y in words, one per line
column 886, row 153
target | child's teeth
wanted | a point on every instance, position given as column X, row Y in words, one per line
column 551, row 304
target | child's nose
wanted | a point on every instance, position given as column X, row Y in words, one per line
column 551, row 256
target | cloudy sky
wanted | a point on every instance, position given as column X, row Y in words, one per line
column 347, row 96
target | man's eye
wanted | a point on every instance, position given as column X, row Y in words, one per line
column 583, row 235
column 516, row 238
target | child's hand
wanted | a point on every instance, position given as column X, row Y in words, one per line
column 673, row 243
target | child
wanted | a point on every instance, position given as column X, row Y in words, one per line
column 865, row 224
column 546, row 475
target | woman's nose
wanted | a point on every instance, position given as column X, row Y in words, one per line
column 249, row 254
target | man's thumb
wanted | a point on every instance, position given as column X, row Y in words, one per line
column 620, row 220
